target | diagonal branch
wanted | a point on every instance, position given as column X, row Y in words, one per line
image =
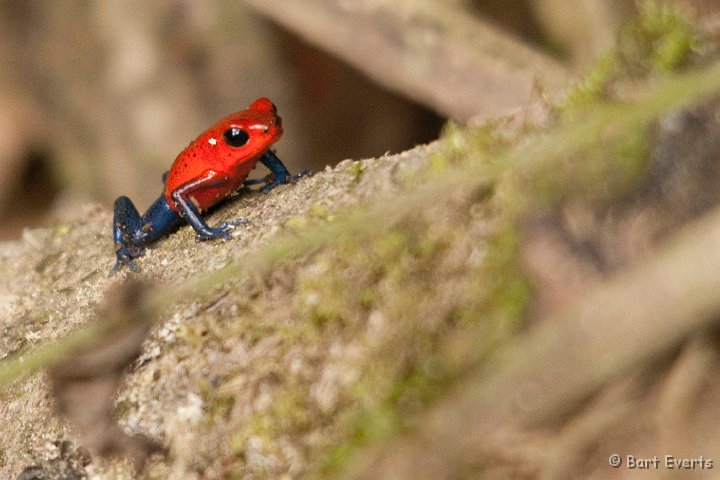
column 432, row 52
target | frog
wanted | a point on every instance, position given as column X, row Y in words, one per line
column 211, row 168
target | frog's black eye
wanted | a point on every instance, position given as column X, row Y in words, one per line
column 236, row 137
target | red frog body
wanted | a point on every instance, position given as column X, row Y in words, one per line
column 212, row 160
column 213, row 166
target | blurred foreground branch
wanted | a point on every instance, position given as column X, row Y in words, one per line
column 85, row 383
column 432, row 52
column 639, row 316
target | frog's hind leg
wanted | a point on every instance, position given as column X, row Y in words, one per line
column 127, row 226
column 158, row 221
column 132, row 232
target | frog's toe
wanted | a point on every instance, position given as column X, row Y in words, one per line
column 236, row 223
column 221, row 232
column 125, row 257
column 275, row 181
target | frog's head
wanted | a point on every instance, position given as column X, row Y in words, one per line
column 249, row 132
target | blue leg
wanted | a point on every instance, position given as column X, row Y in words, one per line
column 279, row 173
column 192, row 215
column 126, row 221
column 132, row 232
column 158, row 221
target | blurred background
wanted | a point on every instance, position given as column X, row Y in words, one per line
column 98, row 97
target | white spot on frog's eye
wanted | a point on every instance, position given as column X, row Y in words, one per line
column 212, row 141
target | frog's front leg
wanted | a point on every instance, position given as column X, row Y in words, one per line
column 132, row 232
column 185, row 197
column 279, row 173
